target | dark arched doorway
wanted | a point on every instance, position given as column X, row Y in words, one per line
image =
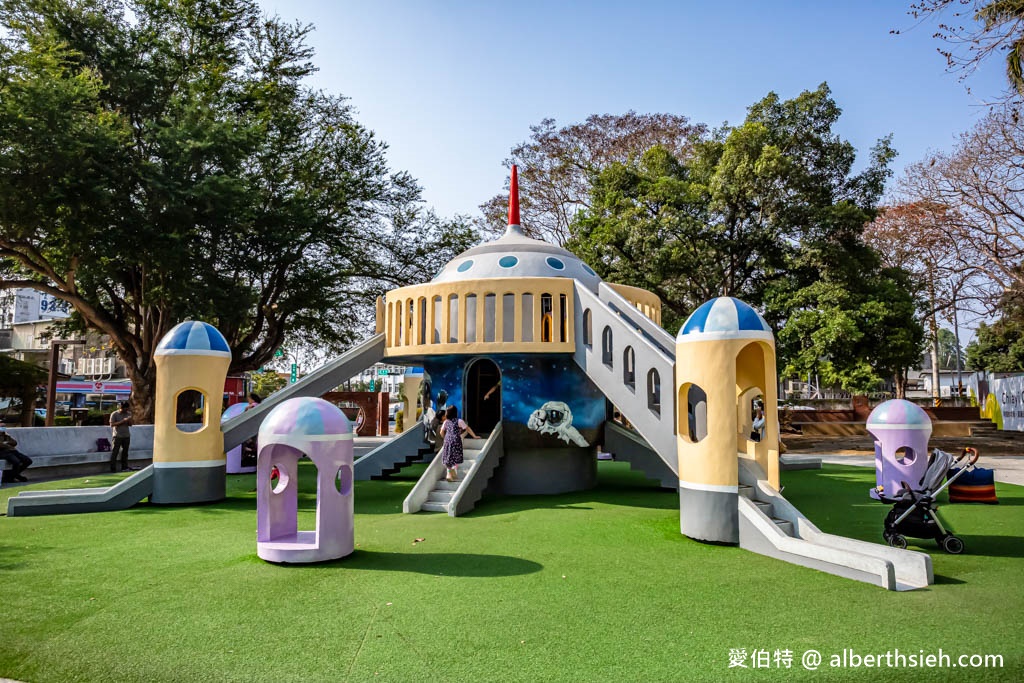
column 483, row 395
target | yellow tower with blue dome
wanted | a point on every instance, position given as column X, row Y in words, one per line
column 189, row 466
column 725, row 358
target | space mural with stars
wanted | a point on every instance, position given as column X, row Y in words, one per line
column 527, row 383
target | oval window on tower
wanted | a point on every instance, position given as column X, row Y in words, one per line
column 555, row 263
column 465, row 265
column 508, row 261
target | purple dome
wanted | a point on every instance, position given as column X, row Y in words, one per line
column 899, row 414
column 233, row 410
column 307, row 416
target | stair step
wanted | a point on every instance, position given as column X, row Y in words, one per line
column 440, row 496
column 446, row 485
column 784, row 525
column 432, row 506
column 474, row 444
column 746, row 491
column 766, row 508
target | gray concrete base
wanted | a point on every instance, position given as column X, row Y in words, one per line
column 545, row 471
column 187, row 485
column 709, row 515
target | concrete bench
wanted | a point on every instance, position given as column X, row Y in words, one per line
column 70, row 451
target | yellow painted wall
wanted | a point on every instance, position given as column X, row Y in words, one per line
column 410, row 320
column 178, row 373
column 646, row 302
column 726, row 370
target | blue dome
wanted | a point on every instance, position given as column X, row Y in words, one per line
column 724, row 318
column 193, row 338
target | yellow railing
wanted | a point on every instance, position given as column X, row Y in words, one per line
column 646, row 302
column 497, row 315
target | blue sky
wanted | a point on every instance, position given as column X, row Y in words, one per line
column 452, row 86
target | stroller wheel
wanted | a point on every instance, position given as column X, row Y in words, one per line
column 952, row 545
column 898, row 541
column 886, row 535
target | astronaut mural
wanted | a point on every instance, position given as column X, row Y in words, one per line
column 547, row 396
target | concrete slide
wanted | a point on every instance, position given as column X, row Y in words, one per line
column 770, row 525
column 120, row 496
column 320, row 381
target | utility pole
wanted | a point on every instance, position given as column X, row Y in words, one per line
column 51, row 382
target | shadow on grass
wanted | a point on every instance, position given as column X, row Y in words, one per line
column 948, row 580
column 992, row 546
column 436, row 564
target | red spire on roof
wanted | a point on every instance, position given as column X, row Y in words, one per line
column 513, row 199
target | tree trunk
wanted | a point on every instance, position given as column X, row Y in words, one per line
column 28, row 405
column 933, row 327
column 900, row 380
column 143, row 401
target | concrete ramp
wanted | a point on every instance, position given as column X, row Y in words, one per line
column 316, row 383
column 121, row 496
column 770, row 525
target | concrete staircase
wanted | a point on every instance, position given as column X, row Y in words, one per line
column 440, row 496
column 392, row 455
column 432, row 493
column 766, row 508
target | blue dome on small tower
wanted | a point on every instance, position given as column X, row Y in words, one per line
column 193, row 338
column 724, row 318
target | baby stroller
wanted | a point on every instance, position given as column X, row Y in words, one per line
column 914, row 509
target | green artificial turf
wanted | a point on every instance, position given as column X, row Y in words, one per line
column 592, row 586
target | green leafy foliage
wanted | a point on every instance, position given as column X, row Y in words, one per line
column 166, row 159
column 772, row 212
column 999, row 347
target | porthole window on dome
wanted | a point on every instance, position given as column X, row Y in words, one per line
column 508, row 261
column 465, row 265
column 589, row 269
column 555, row 263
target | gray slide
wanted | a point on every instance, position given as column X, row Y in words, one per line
column 120, row 496
column 316, row 383
column 770, row 525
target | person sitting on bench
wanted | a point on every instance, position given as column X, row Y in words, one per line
column 9, row 452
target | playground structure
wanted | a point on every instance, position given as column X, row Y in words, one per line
column 534, row 349
column 314, row 428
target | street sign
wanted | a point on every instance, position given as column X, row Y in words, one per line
column 382, row 372
column 295, row 374
column 279, row 353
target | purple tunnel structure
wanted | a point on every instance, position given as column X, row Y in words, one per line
column 901, row 430
column 314, row 428
column 234, row 456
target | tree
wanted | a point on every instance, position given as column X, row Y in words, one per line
column 999, row 347
column 853, row 334
column 951, row 355
column 915, row 238
column 267, row 382
column 165, row 159
column 557, row 165
column 993, row 27
column 981, row 190
column 761, row 206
